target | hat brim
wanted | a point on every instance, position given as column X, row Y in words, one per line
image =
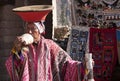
column 33, row 13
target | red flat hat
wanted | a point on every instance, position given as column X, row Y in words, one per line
column 33, row 13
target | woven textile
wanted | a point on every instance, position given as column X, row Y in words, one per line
column 48, row 63
column 78, row 43
column 102, row 44
column 74, row 71
column 9, row 66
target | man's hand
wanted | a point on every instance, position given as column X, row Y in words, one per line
column 18, row 43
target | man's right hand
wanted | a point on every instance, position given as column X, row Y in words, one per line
column 18, row 43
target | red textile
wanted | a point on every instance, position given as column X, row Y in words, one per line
column 9, row 66
column 37, row 66
column 43, row 63
column 103, row 46
column 74, row 71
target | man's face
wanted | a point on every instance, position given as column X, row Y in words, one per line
column 33, row 30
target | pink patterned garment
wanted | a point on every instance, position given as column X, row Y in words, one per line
column 44, row 62
column 9, row 66
column 74, row 71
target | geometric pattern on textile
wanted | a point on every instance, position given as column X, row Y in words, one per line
column 103, row 46
column 77, row 44
column 8, row 65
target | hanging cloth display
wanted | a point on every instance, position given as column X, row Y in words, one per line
column 103, row 46
column 78, row 42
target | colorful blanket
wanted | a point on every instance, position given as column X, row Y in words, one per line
column 78, row 42
column 103, row 46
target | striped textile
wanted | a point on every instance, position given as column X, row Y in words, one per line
column 8, row 65
column 74, row 71
column 46, row 62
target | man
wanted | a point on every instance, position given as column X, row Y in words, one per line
column 43, row 60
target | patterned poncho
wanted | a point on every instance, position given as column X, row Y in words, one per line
column 45, row 61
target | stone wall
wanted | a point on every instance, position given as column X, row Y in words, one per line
column 10, row 27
